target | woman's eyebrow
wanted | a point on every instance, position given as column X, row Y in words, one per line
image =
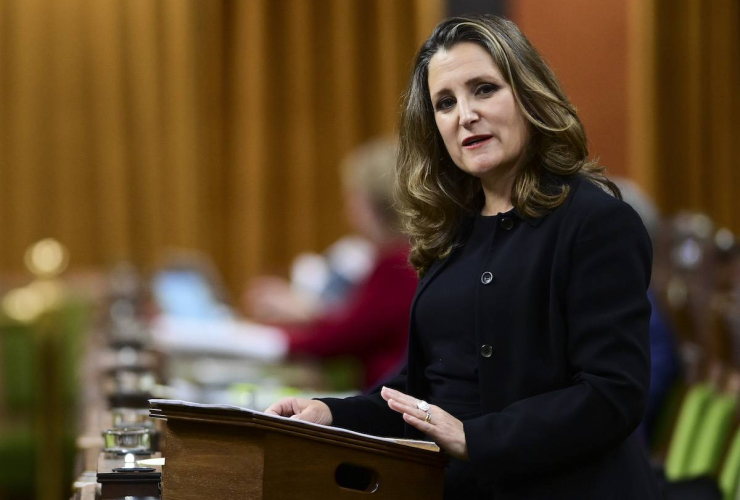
column 468, row 83
column 480, row 79
column 439, row 93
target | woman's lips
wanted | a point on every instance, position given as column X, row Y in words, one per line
column 476, row 141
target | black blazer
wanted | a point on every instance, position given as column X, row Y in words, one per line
column 564, row 360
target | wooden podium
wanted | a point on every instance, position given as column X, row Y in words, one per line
column 231, row 453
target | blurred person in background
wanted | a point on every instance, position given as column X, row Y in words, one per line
column 371, row 322
column 529, row 331
column 664, row 366
column 318, row 283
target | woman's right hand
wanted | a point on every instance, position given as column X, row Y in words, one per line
column 308, row 410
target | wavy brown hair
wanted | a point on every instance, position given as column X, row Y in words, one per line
column 433, row 194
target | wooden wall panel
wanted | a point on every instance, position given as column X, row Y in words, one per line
column 70, row 164
column 585, row 43
column 295, row 127
column 247, row 53
column 722, row 89
column 28, row 92
column 111, row 196
column 5, row 216
column 655, row 82
column 182, row 136
column 641, row 74
column 211, row 128
column 132, row 126
column 695, row 117
column 146, row 134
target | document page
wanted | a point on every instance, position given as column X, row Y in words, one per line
column 426, row 445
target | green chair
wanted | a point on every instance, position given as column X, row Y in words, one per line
column 712, row 436
column 19, row 367
column 690, row 417
column 729, row 476
column 19, row 373
column 38, row 371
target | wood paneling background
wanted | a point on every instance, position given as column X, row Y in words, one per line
column 657, row 84
column 131, row 126
column 692, row 106
column 585, row 44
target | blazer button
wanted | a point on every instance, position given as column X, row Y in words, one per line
column 507, row 223
column 486, row 277
column 486, row 350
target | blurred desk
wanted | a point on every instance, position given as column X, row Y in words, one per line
column 228, row 361
column 226, row 336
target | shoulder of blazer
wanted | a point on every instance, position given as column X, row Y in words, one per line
column 585, row 198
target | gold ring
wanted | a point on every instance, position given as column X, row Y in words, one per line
column 428, row 418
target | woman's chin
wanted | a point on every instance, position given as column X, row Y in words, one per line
column 488, row 168
column 481, row 170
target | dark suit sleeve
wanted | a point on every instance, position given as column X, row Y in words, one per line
column 369, row 413
column 606, row 313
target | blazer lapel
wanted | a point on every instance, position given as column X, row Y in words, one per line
column 429, row 276
column 466, row 225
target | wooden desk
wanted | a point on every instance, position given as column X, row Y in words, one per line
column 236, row 454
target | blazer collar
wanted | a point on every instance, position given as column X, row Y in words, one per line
column 549, row 181
column 532, row 221
column 466, row 225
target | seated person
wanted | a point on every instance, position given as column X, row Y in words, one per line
column 317, row 284
column 371, row 324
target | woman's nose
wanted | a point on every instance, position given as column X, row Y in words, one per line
column 468, row 115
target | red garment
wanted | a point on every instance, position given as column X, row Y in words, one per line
column 372, row 326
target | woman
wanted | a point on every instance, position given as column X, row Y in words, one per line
column 529, row 329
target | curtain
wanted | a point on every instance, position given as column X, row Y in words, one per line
column 686, row 110
column 131, row 126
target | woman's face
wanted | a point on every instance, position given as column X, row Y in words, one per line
column 478, row 118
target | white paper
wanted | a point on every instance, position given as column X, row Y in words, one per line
column 228, row 337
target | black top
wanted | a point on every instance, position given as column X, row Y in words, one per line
column 445, row 317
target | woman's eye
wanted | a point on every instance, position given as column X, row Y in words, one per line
column 444, row 104
column 487, row 89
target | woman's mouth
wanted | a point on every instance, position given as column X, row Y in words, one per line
column 475, row 141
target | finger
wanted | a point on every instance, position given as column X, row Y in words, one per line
column 304, row 414
column 404, row 408
column 283, row 408
column 388, row 393
column 395, row 406
column 295, row 405
column 275, row 409
column 400, row 407
column 420, row 424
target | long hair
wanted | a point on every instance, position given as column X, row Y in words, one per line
column 433, row 194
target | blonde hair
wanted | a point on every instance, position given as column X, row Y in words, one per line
column 371, row 169
column 433, row 194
